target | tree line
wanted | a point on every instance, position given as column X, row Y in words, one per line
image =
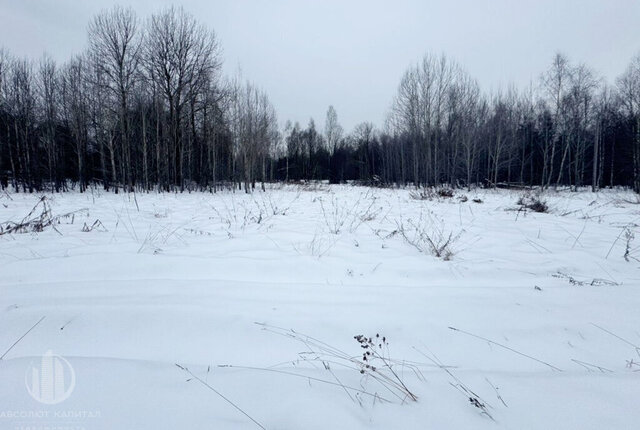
column 146, row 107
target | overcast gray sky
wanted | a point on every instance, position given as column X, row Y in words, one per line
column 310, row 54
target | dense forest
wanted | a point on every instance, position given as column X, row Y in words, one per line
column 147, row 107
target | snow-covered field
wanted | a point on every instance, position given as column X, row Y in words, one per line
column 526, row 321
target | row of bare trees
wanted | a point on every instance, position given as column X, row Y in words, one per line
column 146, row 105
column 569, row 128
column 564, row 130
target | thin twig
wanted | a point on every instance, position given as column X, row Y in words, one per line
column 616, row 336
column 497, row 392
column 506, row 347
column 589, row 365
column 221, row 395
column 21, row 337
column 614, row 243
column 460, row 386
column 579, row 235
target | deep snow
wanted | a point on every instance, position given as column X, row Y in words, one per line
column 183, row 279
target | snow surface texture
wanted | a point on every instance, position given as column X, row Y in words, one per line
column 528, row 321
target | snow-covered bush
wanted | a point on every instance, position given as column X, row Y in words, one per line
column 431, row 193
column 428, row 235
column 339, row 215
column 533, row 203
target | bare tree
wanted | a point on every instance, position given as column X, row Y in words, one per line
column 75, row 100
column 115, row 42
column 48, row 88
column 407, row 114
column 4, row 137
column 182, row 56
column 471, row 109
column 254, row 129
column 332, row 130
column 333, row 133
column 579, row 111
column 364, row 134
column 555, row 82
column 629, row 89
column 21, row 103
